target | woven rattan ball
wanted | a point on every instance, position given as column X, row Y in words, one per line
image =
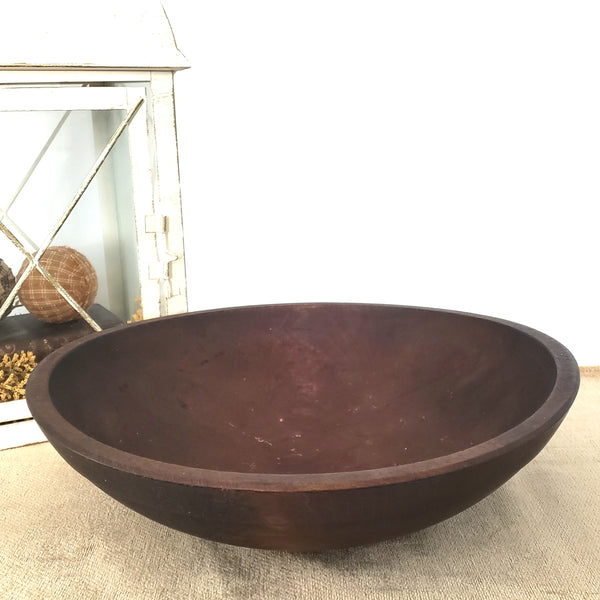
column 73, row 271
column 7, row 281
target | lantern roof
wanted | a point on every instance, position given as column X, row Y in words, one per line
column 81, row 34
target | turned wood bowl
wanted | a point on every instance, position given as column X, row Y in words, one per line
column 304, row 427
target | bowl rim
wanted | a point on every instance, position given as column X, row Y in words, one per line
column 62, row 433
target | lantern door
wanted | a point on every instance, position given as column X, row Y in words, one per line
column 88, row 167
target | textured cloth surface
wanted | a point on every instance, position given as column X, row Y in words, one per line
column 7, row 281
column 73, row 271
column 536, row 537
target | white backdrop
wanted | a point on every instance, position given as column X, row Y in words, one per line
column 428, row 153
column 433, row 153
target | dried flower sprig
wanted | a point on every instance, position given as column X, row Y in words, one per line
column 14, row 373
column 139, row 313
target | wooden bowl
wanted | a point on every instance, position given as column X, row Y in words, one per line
column 304, row 427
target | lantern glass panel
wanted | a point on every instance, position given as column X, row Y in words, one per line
column 102, row 224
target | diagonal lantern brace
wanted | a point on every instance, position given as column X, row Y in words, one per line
column 86, row 182
column 48, row 276
column 34, row 258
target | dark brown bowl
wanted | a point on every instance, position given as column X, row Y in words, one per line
column 304, row 427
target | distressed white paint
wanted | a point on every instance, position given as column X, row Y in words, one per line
column 142, row 169
column 13, row 435
column 18, row 99
column 168, row 193
column 16, row 426
column 112, row 34
column 15, row 410
column 77, row 76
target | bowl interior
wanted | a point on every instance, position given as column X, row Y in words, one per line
column 303, row 388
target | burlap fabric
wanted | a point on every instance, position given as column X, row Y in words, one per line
column 73, row 271
column 537, row 537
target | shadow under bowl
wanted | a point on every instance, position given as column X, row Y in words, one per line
column 304, row 426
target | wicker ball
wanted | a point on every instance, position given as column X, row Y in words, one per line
column 7, row 281
column 73, row 271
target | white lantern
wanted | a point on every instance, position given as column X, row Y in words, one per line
column 88, row 149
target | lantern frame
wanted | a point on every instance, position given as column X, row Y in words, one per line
column 134, row 73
